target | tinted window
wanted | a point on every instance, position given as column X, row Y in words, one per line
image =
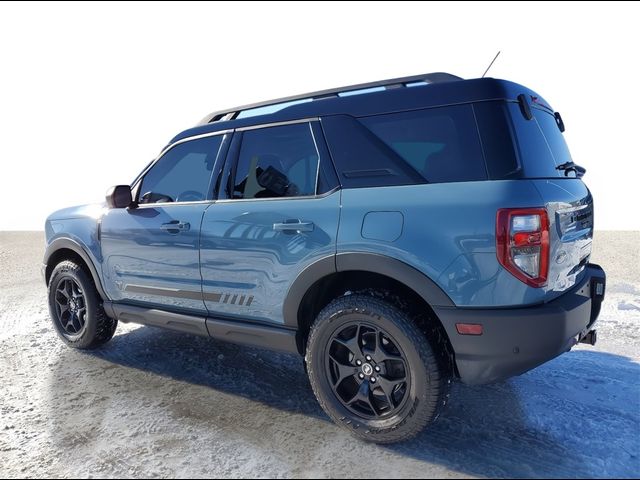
column 440, row 144
column 541, row 145
column 497, row 140
column 183, row 173
column 362, row 159
column 277, row 162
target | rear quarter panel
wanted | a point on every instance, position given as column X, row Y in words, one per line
column 447, row 232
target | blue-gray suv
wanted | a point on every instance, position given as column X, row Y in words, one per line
column 399, row 235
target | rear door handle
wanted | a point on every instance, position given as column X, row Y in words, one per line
column 293, row 226
column 175, row 226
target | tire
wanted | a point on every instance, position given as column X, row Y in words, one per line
column 406, row 387
column 76, row 308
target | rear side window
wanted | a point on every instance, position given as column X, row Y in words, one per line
column 541, row 145
column 183, row 173
column 277, row 162
column 498, row 143
column 441, row 144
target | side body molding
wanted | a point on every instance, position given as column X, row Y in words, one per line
column 69, row 244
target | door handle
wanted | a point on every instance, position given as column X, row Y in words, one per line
column 293, row 226
column 175, row 226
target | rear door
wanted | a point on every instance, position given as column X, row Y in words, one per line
column 151, row 252
column 277, row 213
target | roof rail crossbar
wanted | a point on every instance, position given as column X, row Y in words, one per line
column 231, row 113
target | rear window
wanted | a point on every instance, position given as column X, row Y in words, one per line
column 541, row 145
column 440, row 144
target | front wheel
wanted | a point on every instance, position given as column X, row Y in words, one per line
column 373, row 370
column 76, row 309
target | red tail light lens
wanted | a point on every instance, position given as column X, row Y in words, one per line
column 522, row 243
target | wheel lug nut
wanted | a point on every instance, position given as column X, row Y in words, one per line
column 361, row 376
column 373, row 379
column 368, row 357
column 358, row 362
column 377, row 368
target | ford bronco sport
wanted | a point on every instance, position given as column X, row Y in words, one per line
column 398, row 235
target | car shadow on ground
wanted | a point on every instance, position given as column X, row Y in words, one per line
column 577, row 416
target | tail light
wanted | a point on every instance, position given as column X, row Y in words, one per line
column 522, row 243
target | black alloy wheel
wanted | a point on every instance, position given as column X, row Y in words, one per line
column 368, row 372
column 71, row 307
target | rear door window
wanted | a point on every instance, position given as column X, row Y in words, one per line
column 279, row 161
column 439, row 144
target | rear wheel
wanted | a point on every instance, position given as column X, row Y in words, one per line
column 76, row 309
column 373, row 370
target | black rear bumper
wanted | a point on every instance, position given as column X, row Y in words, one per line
column 515, row 340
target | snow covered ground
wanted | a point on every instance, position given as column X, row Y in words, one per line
column 156, row 403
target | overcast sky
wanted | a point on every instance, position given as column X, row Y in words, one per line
column 90, row 93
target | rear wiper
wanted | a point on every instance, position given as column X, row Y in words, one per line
column 572, row 167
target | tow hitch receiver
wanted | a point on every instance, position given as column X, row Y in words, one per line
column 590, row 338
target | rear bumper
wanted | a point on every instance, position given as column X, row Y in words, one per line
column 515, row 340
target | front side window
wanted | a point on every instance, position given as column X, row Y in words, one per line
column 182, row 174
column 274, row 162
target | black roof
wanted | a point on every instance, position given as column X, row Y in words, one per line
column 425, row 78
column 423, row 91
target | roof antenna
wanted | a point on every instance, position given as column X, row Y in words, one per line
column 494, row 59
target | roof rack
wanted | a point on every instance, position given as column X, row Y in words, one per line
column 231, row 113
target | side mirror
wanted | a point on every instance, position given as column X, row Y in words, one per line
column 119, row 196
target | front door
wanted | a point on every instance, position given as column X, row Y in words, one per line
column 280, row 215
column 151, row 251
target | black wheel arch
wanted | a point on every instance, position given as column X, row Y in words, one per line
column 68, row 249
column 329, row 268
column 397, row 270
column 313, row 273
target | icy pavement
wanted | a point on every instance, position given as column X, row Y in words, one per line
column 157, row 403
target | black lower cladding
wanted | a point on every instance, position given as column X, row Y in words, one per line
column 273, row 337
column 515, row 340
